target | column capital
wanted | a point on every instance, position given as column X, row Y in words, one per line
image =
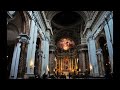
column 82, row 47
column 83, row 40
column 40, row 52
column 23, row 38
column 91, row 37
column 45, row 39
column 99, row 51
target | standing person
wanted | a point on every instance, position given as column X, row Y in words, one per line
column 69, row 75
column 44, row 76
column 25, row 77
column 48, row 73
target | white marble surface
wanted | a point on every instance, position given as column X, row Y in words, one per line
column 15, row 61
column 93, row 57
column 30, row 46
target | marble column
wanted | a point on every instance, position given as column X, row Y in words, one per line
column 82, row 49
column 31, row 50
column 110, row 23
column 15, row 61
column 109, row 45
column 100, row 62
column 51, row 62
column 87, row 60
column 23, row 39
column 30, row 45
column 32, row 59
column 43, row 57
column 47, row 55
column 90, row 62
column 83, row 60
column 39, row 60
column 92, row 56
column 45, row 49
column 54, row 62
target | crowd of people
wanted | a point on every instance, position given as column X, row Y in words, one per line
column 69, row 76
column 60, row 76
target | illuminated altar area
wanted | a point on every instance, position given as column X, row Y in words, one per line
column 67, row 58
column 67, row 64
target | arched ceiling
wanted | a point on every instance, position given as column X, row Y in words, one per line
column 84, row 14
column 14, row 27
column 68, row 23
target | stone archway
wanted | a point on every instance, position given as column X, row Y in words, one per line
column 51, row 14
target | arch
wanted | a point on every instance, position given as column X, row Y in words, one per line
column 25, row 20
column 12, row 33
column 51, row 14
column 19, row 24
column 12, row 25
column 97, row 39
